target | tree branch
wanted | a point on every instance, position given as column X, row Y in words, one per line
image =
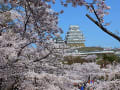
column 95, row 14
column 39, row 59
column 26, row 22
column 103, row 28
column 3, row 28
column 20, row 51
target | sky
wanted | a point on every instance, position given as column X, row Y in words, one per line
column 93, row 35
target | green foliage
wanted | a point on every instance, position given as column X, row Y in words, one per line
column 73, row 59
column 108, row 59
column 111, row 58
column 102, row 63
column 90, row 49
column 102, row 78
column 106, row 77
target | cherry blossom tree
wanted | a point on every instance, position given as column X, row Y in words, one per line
column 27, row 23
column 25, row 28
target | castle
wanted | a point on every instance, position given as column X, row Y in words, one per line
column 74, row 37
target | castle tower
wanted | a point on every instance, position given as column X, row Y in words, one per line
column 74, row 37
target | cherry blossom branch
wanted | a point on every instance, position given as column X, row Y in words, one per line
column 103, row 28
column 6, row 10
column 39, row 59
column 20, row 51
column 26, row 22
column 95, row 13
column 3, row 28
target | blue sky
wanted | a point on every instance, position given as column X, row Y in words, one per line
column 93, row 35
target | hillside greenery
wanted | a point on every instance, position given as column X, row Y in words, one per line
column 90, row 49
